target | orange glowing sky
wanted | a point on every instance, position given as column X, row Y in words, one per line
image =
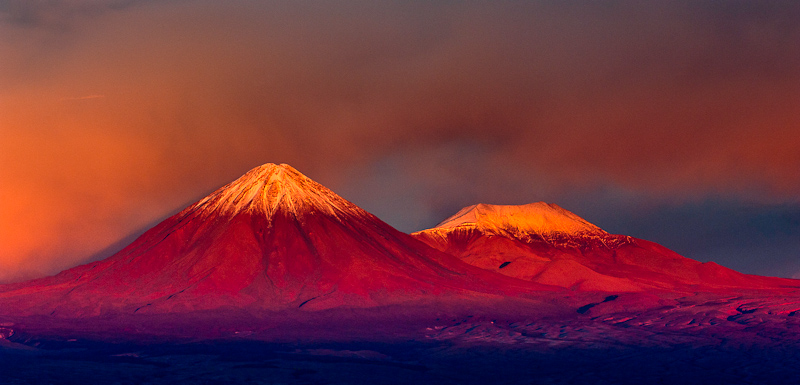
column 115, row 114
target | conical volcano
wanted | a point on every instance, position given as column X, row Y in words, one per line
column 534, row 222
column 270, row 240
column 545, row 243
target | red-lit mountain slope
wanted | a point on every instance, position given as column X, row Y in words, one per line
column 271, row 240
column 547, row 244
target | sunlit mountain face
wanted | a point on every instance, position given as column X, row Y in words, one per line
column 275, row 278
column 271, row 240
column 544, row 243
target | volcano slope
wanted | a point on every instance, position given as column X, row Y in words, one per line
column 545, row 243
column 282, row 280
column 271, row 242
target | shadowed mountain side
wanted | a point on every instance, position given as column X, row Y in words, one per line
column 271, row 240
column 546, row 244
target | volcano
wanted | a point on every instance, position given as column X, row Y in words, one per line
column 544, row 243
column 274, row 278
column 269, row 241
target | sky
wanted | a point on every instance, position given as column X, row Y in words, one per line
column 672, row 121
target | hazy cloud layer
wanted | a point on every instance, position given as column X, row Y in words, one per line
column 114, row 114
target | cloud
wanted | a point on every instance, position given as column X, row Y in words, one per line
column 671, row 101
column 751, row 236
column 84, row 97
column 58, row 14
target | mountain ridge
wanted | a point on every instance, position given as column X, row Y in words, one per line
column 544, row 243
column 272, row 239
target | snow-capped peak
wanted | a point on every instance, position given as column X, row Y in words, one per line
column 543, row 219
column 270, row 187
